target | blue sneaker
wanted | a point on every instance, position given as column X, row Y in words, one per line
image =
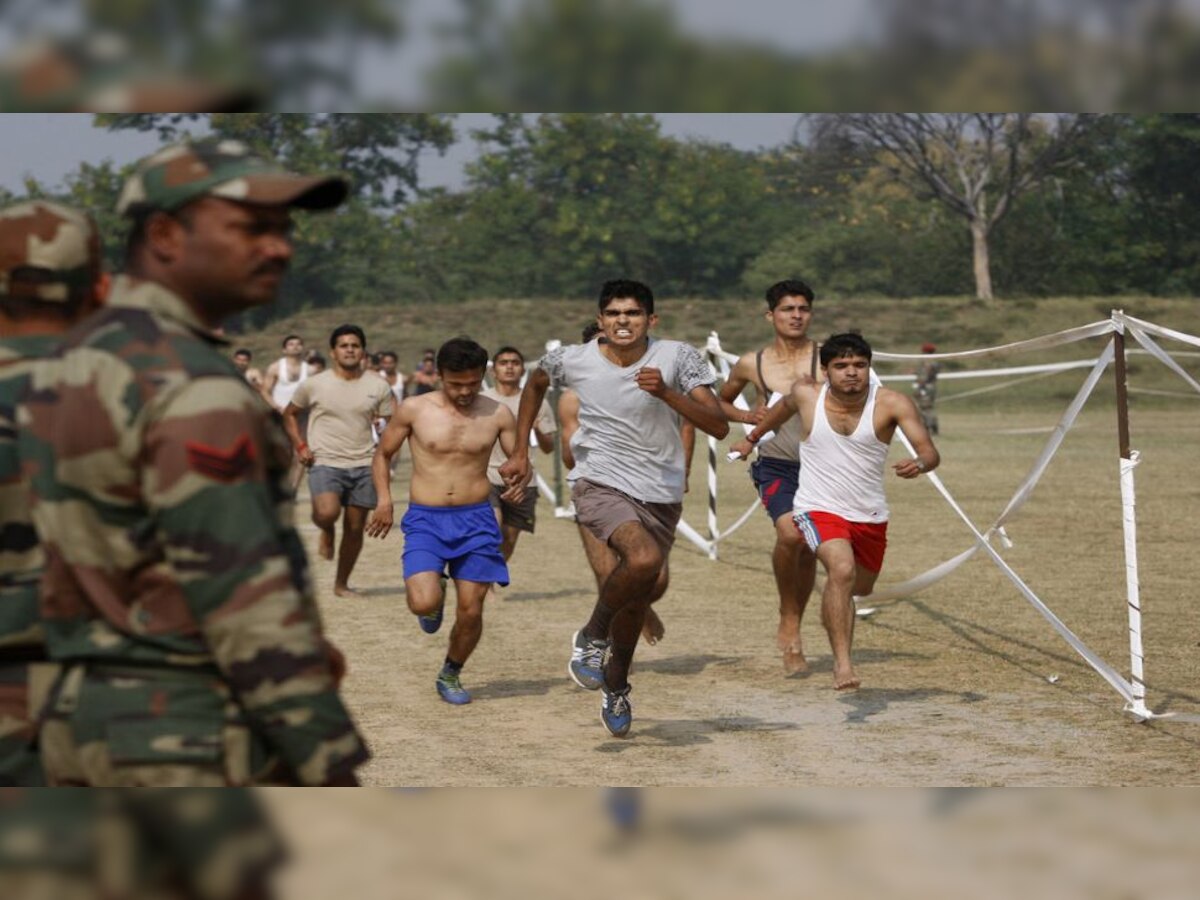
column 615, row 711
column 587, row 657
column 451, row 690
column 433, row 621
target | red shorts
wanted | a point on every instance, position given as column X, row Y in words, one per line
column 868, row 540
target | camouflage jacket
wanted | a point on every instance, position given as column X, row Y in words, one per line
column 20, row 555
column 159, row 479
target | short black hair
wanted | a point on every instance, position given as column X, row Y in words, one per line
column 622, row 288
column 461, row 354
column 507, row 349
column 590, row 330
column 383, row 354
column 792, row 287
column 243, row 351
column 841, row 345
column 347, row 329
column 291, row 337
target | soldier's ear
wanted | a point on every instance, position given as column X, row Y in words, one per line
column 164, row 236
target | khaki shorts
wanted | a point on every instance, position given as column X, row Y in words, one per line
column 521, row 516
column 602, row 509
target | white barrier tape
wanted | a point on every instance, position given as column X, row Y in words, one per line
column 991, row 388
column 992, row 373
column 1161, row 355
column 1160, row 331
column 925, row 579
column 740, row 522
column 1069, row 336
column 694, row 536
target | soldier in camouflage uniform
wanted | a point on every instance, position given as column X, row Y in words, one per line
column 176, row 593
column 49, row 278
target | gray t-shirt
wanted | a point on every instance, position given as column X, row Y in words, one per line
column 628, row 439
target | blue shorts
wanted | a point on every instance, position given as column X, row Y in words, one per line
column 466, row 538
column 776, row 481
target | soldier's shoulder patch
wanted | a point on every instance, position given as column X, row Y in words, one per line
column 227, row 464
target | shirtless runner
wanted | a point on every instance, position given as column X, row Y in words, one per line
column 449, row 522
column 772, row 371
column 840, row 508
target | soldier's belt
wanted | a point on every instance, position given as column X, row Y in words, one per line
column 22, row 653
column 150, row 671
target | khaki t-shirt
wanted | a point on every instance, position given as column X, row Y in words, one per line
column 544, row 423
column 340, row 415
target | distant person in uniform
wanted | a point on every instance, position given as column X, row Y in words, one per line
column 243, row 359
column 342, row 405
column 508, row 368
column 925, row 389
column 50, row 279
column 286, row 373
column 176, row 593
column 630, row 472
column 840, row 508
column 772, row 371
column 449, row 527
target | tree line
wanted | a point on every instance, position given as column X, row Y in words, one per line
column 891, row 205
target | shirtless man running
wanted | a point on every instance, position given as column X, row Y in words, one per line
column 449, row 522
column 773, row 370
column 840, row 510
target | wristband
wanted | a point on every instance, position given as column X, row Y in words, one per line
column 301, row 447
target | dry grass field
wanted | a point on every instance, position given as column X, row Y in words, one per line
column 959, row 683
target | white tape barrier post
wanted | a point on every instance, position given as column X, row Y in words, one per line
column 1137, row 703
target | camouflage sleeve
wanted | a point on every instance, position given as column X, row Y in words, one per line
column 213, row 479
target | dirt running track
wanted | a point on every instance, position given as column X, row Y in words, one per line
column 956, row 682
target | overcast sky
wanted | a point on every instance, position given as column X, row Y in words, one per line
column 49, row 146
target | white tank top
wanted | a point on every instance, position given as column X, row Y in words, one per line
column 284, row 389
column 843, row 474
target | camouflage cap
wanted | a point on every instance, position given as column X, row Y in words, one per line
column 46, row 250
column 214, row 167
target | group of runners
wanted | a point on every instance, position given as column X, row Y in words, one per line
column 147, row 485
column 628, row 409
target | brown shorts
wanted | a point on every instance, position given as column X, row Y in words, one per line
column 602, row 509
column 521, row 516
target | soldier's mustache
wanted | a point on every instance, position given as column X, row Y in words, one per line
column 271, row 268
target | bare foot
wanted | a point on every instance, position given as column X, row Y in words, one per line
column 325, row 544
column 793, row 653
column 344, row 590
column 652, row 628
column 845, row 679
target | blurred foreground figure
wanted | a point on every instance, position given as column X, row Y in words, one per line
column 135, row 845
column 50, row 278
column 176, row 594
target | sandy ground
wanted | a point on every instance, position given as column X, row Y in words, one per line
column 965, row 684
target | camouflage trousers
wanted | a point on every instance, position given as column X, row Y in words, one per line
column 109, row 725
column 77, row 844
column 24, row 687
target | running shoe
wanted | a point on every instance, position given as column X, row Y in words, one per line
column 433, row 621
column 615, row 711
column 451, row 690
column 587, row 659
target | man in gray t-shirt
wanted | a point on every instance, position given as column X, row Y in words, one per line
column 629, row 476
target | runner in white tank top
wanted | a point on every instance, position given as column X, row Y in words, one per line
column 840, row 507
column 284, row 389
column 843, row 474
